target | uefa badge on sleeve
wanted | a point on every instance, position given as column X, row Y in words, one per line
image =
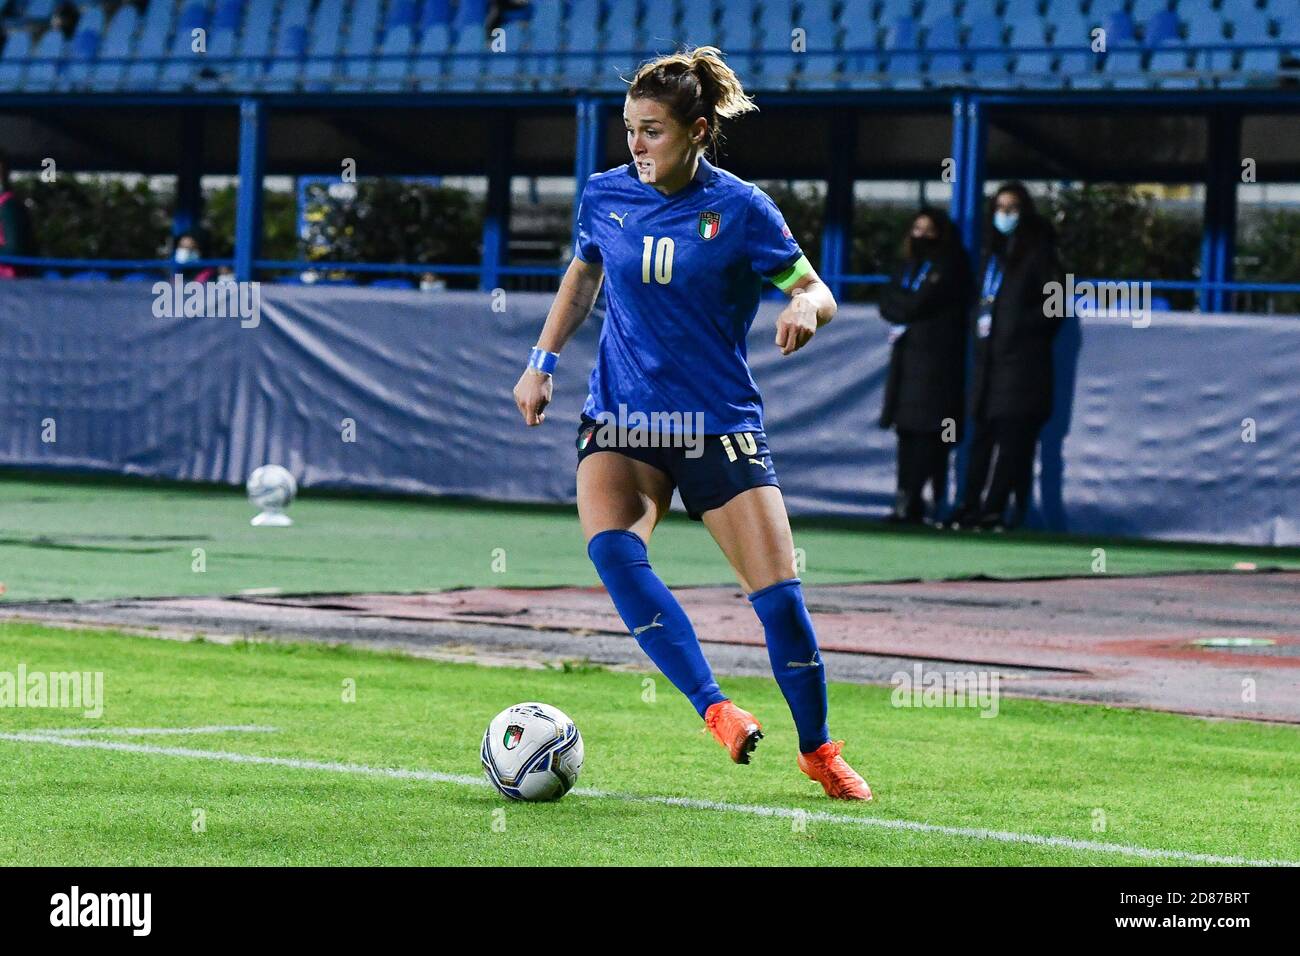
column 710, row 223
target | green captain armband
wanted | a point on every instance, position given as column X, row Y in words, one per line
column 785, row 279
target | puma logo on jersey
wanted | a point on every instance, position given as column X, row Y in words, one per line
column 761, row 464
column 614, row 215
column 654, row 622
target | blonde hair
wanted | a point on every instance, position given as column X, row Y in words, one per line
column 692, row 84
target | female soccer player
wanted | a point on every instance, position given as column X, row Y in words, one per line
column 685, row 246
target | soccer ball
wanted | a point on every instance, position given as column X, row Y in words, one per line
column 532, row 752
column 271, row 488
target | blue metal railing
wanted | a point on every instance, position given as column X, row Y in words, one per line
column 167, row 267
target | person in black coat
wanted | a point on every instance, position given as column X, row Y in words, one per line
column 1012, row 394
column 927, row 305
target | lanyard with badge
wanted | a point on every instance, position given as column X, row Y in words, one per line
column 988, row 295
column 911, row 284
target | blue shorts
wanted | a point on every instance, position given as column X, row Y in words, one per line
column 707, row 476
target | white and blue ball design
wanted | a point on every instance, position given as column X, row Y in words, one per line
column 532, row 752
column 271, row 488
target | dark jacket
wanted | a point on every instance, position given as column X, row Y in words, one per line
column 1013, row 365
column 927, row 365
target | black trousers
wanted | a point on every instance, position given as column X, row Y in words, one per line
column 922, row 460
column 1001, row 465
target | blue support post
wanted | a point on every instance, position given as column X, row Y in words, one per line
column 189, row 194
column 836, row 229
column 1222, row 174
column 591, row 146
column 496, row 222
column 969, row 142
column 248, row 206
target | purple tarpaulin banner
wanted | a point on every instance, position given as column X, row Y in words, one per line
column 1186, row 429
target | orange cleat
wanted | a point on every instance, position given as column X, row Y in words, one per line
column 735, row 729
column 838, row 779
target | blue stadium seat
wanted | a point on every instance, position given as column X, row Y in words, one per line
column 90, row 275
column 582, row 38
column 658, row 27
column 255, row 42
column 110, row 70
column 38, row 9
column 471, row 13
column 542, row 37
column 1161, row 29
column 507, row 70
column 976, row 11
column 228, row 16
column 1071, row 30
column 860, row 42
column 1170, row 61
column 85, row 47
column 183, row 64
column 363, row 33
column 989, row 67
column 1144, row 10
column 401, row 13
column 325, row 39
column 469, row 51
column 139, row 277
column 435, row 12
column 774, row 35
column 945, row 68
column 889, row 12
column 1205, row 28
column 14, row 59
column 819, row 67
column 902, row 62
column 393, row 67
column 430, row 57
column 621, row 33
column 1023, row 11
column 92, row 20
column 1250, row 25
column 697, row 23
column 46, row 62
column 285, row 69
column 1032, row 68
column 738, row 35
column 193, row 16
column 1123, row 63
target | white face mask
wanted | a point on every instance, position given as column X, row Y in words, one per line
column 184, row 254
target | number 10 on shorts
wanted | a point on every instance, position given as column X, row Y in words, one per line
column 746, row 442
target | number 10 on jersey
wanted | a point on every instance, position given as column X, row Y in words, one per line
column 663, row 260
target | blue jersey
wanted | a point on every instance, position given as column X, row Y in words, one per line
column 683, row 275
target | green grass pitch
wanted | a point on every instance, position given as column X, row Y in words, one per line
column 1128, row 780
column 88, row 540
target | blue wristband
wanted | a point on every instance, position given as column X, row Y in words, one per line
column 543, row 360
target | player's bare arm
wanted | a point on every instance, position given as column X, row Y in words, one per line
column 811, row 306
column 570, row 309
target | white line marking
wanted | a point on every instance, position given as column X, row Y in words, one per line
column 150, row 731
column 975, row 833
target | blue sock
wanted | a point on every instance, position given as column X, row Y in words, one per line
column 648, row 607
column 792, row 649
